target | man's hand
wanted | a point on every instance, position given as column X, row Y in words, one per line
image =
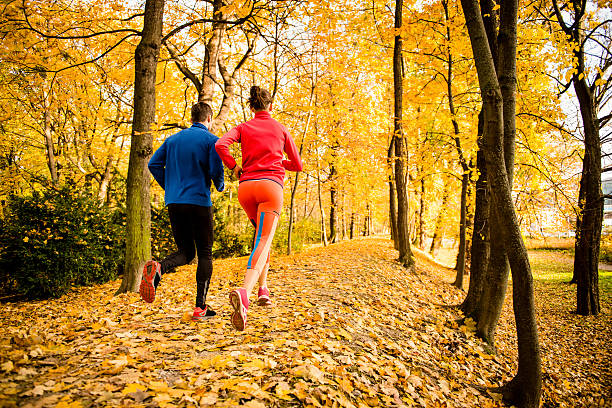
column 237, row 171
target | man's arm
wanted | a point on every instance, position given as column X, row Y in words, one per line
column 157, row 165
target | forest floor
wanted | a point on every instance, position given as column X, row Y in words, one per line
column 349, row 328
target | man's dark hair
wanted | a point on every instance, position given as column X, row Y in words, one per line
column 200, row 111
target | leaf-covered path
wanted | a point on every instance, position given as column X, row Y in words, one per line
column 348, row 328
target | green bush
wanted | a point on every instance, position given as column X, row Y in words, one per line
column 162, row 240
column 227, row 242
column 54, row 240
column 305, row 231
column 605, row 249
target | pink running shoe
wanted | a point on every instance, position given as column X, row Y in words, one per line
column 240, row 302
column 263, row 297
column 151, row 270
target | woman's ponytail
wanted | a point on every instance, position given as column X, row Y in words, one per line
column 260, row 99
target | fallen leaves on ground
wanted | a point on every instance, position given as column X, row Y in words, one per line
column 576, row 350
column 348, row 328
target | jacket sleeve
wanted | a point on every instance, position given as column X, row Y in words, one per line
column 293, row 161
column 215, row 168
column 223, row 144
column 157, row 165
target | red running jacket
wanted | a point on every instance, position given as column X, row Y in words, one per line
column 263, row 141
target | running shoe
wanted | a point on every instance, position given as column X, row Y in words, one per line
column 263, row 297
column 240, row 302
column 202, row 314
column 151, row 275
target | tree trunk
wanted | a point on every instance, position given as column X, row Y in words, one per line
column 494, row 294
column 480, row 234
column 343, row 219
column 392, row 203
column 469, row 223
column 138, row 234
column 229, row 84
column 292, row 212
column 581, row 201
column 591, row 203
column 107, row 176
column 495, row 279
column 460, row 264
column 436, row 239
column 525, row 388
column 352, row 226
column 51, row 160
column 481, row 237
column 306, row 196
column 106, row 179
column 370, row 220
column 420, row 227
column 491, row 301
column 393, row 213
column 403, row 239
column 323, row 229
column 590, row 211
column 297, row 178
column 333, row 205
column 366, row 222
column 211, row 55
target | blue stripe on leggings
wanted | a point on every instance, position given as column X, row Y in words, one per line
column 261, row 221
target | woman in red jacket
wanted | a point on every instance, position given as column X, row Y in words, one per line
column 263, row 141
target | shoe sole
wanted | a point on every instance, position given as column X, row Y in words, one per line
column 264, row 301
column 147, row 289
column 199, row 319
column 238, row 316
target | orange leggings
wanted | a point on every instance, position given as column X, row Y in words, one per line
column 262, row 200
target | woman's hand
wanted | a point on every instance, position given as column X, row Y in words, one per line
column 237, row 171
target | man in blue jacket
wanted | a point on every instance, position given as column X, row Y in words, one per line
column 185, row 166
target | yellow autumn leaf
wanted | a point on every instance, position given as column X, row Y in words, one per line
column 134, row 387
column 7, row 366
column 158, row 386
column 162, row 398
column 346, row 385
column 282, row 390
column 254, row 404
column 210, row 398
column 255, row 363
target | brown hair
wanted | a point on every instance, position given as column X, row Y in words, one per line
column 260, row 99
column 200, row 111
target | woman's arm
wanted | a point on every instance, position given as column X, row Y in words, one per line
column 223, row 144
column 293, row 162
column 215, row 169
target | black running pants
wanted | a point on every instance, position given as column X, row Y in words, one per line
column 192, row 227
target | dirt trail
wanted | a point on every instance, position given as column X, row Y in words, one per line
column 349, row 327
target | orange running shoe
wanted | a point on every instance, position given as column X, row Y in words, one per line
column 148, row 284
